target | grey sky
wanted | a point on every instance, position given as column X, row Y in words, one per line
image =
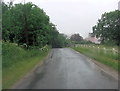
column 74, row 16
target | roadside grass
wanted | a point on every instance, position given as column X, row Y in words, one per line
column 18, row 61
column 107, row 58
column 104, row 46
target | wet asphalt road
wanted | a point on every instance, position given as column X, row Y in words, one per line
column 67, row 69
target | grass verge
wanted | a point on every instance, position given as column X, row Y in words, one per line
column 17, row 62
column 105, row 58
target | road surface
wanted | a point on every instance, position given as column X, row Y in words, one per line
column 67, row 69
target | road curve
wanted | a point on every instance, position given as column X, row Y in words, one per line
column 67, row 69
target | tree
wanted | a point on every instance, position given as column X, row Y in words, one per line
column 76, row 37
column 28, row 24
column 108, row 27
column 14, row 25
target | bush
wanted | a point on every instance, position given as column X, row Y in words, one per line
column 12, row 54
column 17, row 61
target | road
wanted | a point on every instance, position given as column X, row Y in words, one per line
column 67, row 69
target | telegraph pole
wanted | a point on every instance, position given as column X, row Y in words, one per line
column 118, row 47
column 26, row 27
column 11, row 3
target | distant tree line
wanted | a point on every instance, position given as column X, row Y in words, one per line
column 78, row 39
column 28, row 24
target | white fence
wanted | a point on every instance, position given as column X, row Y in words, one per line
column 99, row 48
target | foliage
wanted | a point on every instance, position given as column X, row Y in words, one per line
column 16, row 62
column 28, row 24
column 61, row 41
column 25, row 26
column 12, row 54
column 76, row 37
column 82, row 42
column 108, row 27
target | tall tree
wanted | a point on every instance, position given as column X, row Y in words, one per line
column 108, row 27
column 28, row 24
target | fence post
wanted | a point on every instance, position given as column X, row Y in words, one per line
column 114, row 51
column 104, row 50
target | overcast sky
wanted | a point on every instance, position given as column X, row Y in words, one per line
column 74, row 16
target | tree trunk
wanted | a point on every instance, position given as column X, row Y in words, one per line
column 26, row 28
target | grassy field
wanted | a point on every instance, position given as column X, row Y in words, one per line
column 18, row 61
column 100, row 53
